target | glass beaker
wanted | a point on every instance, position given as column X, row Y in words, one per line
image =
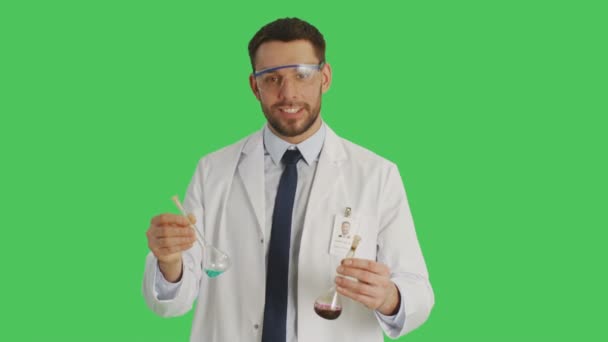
column 329, row 304
column 215, row 261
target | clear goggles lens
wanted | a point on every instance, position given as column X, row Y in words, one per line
column 301, row 75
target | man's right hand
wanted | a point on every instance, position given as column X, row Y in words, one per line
column 168, row 236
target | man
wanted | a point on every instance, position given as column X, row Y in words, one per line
column 273, row 201
column 345, row 230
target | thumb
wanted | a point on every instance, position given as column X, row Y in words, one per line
column 192, row 218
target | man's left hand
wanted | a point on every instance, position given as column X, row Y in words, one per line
column 374, row 288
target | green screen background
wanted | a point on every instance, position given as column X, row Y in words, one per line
column 494, row 111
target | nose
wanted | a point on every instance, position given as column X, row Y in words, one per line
column 288, row 89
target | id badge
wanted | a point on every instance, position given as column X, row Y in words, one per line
column 345, row 228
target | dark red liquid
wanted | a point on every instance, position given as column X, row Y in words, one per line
column 326, row 312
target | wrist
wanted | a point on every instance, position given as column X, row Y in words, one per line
column 171, row 270
column 393, row 302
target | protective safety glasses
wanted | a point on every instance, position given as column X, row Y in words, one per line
column 303, row 76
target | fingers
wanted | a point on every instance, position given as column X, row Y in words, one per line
column 171, row 231
column 161, row 237
column 357, row 287
column 367, row 265
column 169, row 245
column 160, row 252
column 170, row 219
column 361, row 275
column 367, row 295
column 170, row 234
column 372, row 285
column 174, row 241
column 170, row 225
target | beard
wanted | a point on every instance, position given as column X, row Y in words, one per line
column 292, row 127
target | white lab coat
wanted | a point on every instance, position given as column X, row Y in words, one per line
column 228, row 186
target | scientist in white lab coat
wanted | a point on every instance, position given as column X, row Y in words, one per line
column 275, row 202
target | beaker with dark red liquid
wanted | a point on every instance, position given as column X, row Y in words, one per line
column 329, row 304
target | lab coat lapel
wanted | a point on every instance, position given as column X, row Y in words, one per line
column 328, row 174
column 251, row 171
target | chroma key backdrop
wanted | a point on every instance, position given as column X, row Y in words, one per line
column 494, row 111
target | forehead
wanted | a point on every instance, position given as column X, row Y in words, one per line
column 277, row 53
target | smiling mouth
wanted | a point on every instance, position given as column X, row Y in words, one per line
column 290, row 110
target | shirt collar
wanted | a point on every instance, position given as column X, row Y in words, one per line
column 310, row 148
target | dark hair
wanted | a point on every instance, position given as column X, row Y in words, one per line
column 287, row 30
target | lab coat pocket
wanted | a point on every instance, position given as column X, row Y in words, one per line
column 368, row 231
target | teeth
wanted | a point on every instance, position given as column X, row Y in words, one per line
column 290, row 110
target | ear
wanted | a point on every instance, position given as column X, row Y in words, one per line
column 326, row 73
column 254, row 87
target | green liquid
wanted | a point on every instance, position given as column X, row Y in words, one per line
column 213, row 273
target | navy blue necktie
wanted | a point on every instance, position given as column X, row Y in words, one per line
column 275, row 309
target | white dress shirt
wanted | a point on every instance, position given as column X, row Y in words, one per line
column 274, row 148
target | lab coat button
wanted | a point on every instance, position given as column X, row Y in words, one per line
column 256, row 326
column 261, row 240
